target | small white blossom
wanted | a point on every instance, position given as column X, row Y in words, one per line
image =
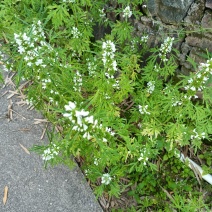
column 38, row 62
column 106, row 179
column 165, row 48
column 144, row 38
column 102, row 13
column 150, row 86
column 109, row 46
column 127, row 12
column 25, row 37
column 96, row 162
column 21, row 49
column 50, row 152
column 143, row 109
column 177, row 103
column 75, row 32
column 71, row 106
column 143, row 158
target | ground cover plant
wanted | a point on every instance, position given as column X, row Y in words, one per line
column 125, row 120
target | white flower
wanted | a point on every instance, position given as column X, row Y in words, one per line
column 79, row 116
column 104, row 140
column 50, row 152
column 82, row 113
column 143, row 109
column 193, row 88
column 29, row 64
column 109, row 130
column 25, row 37
column 144, row 38
column 16, row 36
column 177, row 103
column 96, row 161
column 165, row 48
column 21, row 49
column 143, row 158
column 71, row 106
column 38, row 62
column 106, row 179
column 190, row 81
column 114, row 64
column 109, row 46
column 127, row 12
column 87, row 136
column 89, row 119
column 102, row 13
column 151, row 86
column 75, row 32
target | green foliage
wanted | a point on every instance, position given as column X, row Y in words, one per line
column 119, row 116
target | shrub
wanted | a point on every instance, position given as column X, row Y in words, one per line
column 119, row 117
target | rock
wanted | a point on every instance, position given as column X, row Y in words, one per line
column 208, row 4
column 207, row 19
column 169, row 11
column 195, row 13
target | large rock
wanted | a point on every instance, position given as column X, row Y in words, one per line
column 169, row 11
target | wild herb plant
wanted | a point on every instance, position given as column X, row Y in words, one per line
column 122, row 120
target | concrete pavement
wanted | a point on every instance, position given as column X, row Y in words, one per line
column 31, row 188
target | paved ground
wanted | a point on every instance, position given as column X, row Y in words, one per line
column 31, row 188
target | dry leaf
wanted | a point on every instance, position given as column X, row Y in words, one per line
column 196, row 172
column 39, row 121
column 10, row 111
column 18, row 114
column 44, row 131
column 5, row 195
column 12, row 94
column 8, row 81
column 25, row 149
column 23, row 85
column 168, row 194
column 4, row 93
column 21, row 103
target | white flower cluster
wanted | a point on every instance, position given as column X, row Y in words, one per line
column 91, row 66
column 157, row 68
column 106, row 179
column 30, row 45
column 165, row 48
column 50, row 152
column 150, row 86
column 198, row 81
column 75, row 32
column 110, row 64
column 127, row 12
column 77, row 81
column 96, row 161
column 143, row 109
column 82, row 120
column 45, row 82
column 197, row 135
column 143, row 156
column 102, row 13
column 144, row 38
column 176, row 102
column 109, row 49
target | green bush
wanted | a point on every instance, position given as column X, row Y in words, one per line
column 119, row 117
